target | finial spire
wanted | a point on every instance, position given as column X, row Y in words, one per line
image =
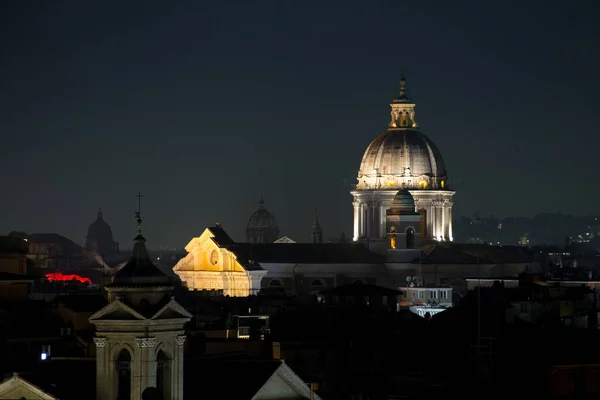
column 261, row 203
column 402, row 87
column 99, row 213
column 138, row 214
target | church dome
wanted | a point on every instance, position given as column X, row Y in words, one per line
column 402, row 156
column 99, row 236
column 262, row 226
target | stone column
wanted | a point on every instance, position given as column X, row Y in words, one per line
column 376, row 219
column 382, row 210
column 143, row 374
column 443, row 212
column 104, row 372
column 450, row 235
column 361, row 220
column 369, row 224
column 356, row 230
column 177, row 369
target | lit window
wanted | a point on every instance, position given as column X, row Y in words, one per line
column 443, row 294
column 433, row 294
column 420, row 294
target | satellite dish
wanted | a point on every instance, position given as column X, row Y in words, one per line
column 408, row 279
column 414, row 279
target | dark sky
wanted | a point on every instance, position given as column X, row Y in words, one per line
column 204, row 105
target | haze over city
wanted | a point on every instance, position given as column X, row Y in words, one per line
column 204, row 106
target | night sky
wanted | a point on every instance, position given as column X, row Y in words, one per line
column 204, row 105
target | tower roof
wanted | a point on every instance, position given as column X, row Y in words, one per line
column 140, row 270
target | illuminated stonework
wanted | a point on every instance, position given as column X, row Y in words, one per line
column 209, row 267
column 402, row 157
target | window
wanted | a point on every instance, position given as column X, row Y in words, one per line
column 410, row 238
column 420, row 294
column 443, row 294
column 433, row 294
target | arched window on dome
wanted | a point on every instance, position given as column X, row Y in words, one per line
column 317, row 283
column 410, row 238
column 275, row 283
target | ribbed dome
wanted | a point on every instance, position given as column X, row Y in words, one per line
column 402, row 156
column 400, row 152
column 262, row 226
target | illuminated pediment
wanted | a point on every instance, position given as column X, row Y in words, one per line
column 204, row 254
column 16, row 387
column 116, row 311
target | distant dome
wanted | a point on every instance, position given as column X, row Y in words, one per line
column 262, row 226
column 99, row 237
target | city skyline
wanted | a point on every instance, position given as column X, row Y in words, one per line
column 203, row 117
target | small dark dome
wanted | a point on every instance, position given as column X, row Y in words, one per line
column 262, row 226
column 403, row 199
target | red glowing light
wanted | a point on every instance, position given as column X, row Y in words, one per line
column 57, row 276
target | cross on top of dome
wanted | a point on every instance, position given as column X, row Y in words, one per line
column 403, row 95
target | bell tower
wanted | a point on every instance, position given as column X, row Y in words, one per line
column 139, row 334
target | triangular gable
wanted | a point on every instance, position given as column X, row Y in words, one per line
column 18, row 388
column 285, row 239
column 285, row 384
column 116, row 310
column 172, row 310
column 204, row 241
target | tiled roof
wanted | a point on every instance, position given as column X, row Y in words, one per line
column 443, row 255
column 361, row 289
column 221, row 237
column 464, row 253
column 305, row 253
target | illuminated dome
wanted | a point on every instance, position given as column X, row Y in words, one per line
column 402, row 172
column 402, row 156
column 262, row 226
